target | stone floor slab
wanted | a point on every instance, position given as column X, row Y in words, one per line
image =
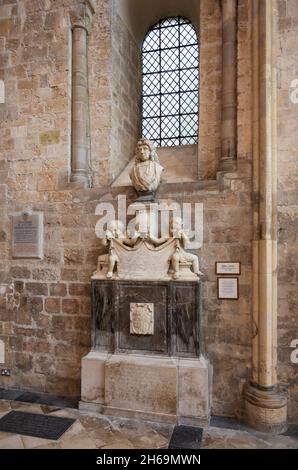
column 13, row 441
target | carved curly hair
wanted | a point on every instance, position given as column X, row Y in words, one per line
column 153, row 154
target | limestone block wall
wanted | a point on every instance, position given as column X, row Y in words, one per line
column 126, row 95
column 100, row 88
column 287, row 197
column 114, row 81
column 226, row 330
column 45, row 305
column 210, row 36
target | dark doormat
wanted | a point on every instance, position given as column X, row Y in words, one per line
column 36, row 425
column 186, row 437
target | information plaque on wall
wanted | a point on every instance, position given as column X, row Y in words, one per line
column 228, row 268
column 228, row 288
column 27, row 235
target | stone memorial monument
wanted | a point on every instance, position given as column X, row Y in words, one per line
column 146, row 306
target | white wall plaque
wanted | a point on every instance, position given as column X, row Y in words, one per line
column 27, row 236
column 228, row 288
column 223, row 267
column 141, row 319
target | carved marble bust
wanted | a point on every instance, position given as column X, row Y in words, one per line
column 146, row 172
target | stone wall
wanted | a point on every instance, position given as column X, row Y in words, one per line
column 210, row 37
column 45, row 323
column 114, row 79
column 126, row 95
column 100, row 88
column 45, row 305
column 287, row 198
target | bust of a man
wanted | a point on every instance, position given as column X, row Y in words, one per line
column 146, row 172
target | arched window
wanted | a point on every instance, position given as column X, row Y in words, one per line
column 170, row 94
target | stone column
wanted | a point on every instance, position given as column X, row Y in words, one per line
column 229, row 86
column 81, row 16
column 266, row 405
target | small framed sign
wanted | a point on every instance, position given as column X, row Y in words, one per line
column 228, row 288
column 228, row 268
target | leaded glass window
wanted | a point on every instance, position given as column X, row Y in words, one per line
column 170, row 97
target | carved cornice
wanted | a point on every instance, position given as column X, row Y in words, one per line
column 81, row 14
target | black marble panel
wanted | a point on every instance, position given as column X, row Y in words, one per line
column 146, row 293
column 104, row 307
column 176, row 316
column 185, row 319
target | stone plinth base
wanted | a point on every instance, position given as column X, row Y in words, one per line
column 166, row 389
column 266, row 410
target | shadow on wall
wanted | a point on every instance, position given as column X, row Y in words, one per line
column 140, row 15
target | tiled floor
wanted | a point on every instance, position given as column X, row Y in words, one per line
column 90, row 432
column 87, row 432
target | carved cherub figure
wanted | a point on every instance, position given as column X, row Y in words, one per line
column 181, row 242
column 180, row 255
column 115, row 231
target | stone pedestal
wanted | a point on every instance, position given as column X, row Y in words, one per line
column 156, row 388
column 145, row 360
